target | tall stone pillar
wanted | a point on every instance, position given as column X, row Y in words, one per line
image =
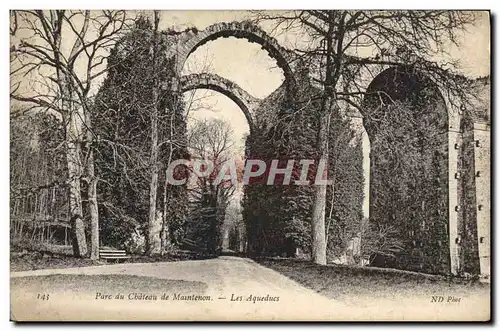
column 482, row 157
column 454, row 143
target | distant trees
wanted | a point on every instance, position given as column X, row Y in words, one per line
column 63, row 53
column 38, row 171
column 210, row 140
column 38, row 190
column 234, row 227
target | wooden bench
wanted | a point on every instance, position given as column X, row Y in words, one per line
column 113, row 254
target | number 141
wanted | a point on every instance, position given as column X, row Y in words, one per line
column 42, row 296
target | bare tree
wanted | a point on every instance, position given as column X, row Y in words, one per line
column 346, row 49
column 56, row 57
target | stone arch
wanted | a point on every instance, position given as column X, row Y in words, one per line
column 245, row 101
column 415, row 200
column 190, row 40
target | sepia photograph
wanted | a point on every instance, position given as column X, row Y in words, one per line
column 250, row 165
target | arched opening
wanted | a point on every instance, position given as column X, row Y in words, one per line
column 216, row 125
column 406, row 119
column 191, row 40
column 276, row 62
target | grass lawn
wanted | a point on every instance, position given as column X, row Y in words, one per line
column 350, row 284
column 81, row 284
column 32, row 260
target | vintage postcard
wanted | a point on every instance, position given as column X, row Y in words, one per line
column 308, row 165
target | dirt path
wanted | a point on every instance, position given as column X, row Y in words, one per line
column 230, row 283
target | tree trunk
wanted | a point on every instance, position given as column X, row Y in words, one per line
column 73, row 138
column 332, row 201
column 318, row 232
column 154, row 242
column 92, row 193
column 154, row 225
column 165, row 233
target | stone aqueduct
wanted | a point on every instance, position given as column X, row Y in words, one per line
column 477, row 134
